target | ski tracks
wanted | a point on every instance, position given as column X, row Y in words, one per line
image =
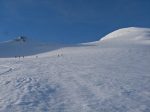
column 8, row 69
column 79, row 89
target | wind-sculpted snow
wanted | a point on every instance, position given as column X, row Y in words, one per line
column 36, row 95
column 94, row 77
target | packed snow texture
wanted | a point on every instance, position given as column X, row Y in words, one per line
column 110, row 75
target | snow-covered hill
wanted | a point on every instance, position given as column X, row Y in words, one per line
column 19, row 47
column 110, row 75
column 131, row 33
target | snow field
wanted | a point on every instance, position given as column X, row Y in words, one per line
column 104, row 76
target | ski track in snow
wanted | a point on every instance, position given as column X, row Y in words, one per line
column 8, row 69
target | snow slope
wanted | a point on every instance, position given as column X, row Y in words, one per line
column 110, row 75
column 131, row 33
column 14, row 48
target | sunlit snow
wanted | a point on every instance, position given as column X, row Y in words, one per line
column 110, row 75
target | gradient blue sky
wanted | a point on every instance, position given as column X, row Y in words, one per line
column 70, row 21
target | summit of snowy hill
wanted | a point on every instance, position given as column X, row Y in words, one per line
column 128, row 34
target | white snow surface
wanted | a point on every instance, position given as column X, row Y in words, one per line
column 110, row 75
column 128, row 34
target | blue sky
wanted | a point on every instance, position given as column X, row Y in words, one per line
column 70, row 21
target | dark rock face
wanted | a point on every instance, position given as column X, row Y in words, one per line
column 21, row 39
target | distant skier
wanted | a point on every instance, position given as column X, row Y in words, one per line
column 59, row 55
